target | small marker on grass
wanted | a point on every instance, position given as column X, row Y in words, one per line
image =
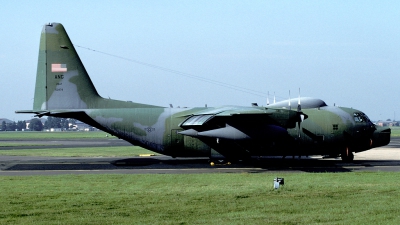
column 278, row 182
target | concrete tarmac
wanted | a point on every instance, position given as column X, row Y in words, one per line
column 379, row 159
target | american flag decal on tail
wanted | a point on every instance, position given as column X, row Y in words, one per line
column 58, row 67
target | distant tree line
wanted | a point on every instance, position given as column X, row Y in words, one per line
column 36, row 124
column 54, row 122
column 19, row 126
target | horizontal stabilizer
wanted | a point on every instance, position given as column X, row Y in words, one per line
column 56, row 113
column 30, row 111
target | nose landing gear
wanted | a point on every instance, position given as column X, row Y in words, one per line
column 347, row 155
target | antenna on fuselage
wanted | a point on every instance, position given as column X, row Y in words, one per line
column 268, row 98
column 299, row 103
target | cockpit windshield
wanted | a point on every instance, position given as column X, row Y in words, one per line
column 361, row 117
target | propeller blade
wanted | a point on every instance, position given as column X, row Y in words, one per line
column 302, row 116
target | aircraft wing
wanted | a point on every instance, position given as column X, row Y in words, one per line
column 239, row 123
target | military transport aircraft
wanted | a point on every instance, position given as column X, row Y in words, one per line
column 64, row 89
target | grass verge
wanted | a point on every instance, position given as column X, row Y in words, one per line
column 306, row 198
column 28, row 135
column 395, row 131
column 16, row 144
column 121, row 151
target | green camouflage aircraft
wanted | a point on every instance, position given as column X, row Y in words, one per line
column 64, row 89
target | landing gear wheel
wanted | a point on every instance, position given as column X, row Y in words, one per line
column 347, row 155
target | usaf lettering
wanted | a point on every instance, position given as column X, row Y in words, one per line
column 59, row 76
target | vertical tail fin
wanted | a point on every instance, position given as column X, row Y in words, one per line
column 61, row 81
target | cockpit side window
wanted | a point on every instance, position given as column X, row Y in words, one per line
column 360, row 117
column 357, row 117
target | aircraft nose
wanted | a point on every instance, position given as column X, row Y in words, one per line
column 380, row 137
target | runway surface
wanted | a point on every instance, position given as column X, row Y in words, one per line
column 380, row 159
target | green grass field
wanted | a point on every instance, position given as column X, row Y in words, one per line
column 27, row 135
column 19, row 144
column 121, row 151
column 306, row 198
column 395, row 131
column 56, row 151
column 218, row 198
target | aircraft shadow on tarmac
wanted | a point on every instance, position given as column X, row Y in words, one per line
column 274, row 164
column 254, row 166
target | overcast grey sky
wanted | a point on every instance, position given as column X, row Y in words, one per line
column 344, row 52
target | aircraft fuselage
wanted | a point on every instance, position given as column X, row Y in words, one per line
column 326, row 131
